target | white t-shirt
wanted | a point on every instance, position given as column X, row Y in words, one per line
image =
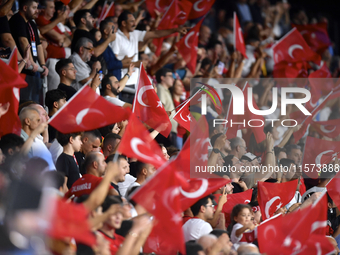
column 129, row 179
column 115, row 101
column 194, row 228
column 123, row 46
column 237, row 241
column 83, row 70
column 56, row 149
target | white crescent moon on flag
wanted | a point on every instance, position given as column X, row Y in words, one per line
column 157, row 5
column 180, row 115
column 81, row 115
column 313, row 104
column 318, row 157
column 195, row 7
column 246, row 201
column 318, row 249
column 187, row 39
column 269, row 227
column 16, row 93
column 198, row 192
column 134, row 145
column 318, row 224
column 292, row 48
column 269, row 204
column 323, row 129
column 240, row 35
column 140, row 94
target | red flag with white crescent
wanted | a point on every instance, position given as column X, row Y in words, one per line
column 333, row 187
column 184, row 117
column 239, row 43
column 200, row 8
column 329, row 128
column 137, row 143
column 187, row 46
column 87, row 110
column 273, row 196
column 147, row 106
column 10, row 84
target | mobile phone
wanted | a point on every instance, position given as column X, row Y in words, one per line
column 113, row 29
column 220, row 67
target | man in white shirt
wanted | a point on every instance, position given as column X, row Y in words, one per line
column 30, row 121
column 111, row 87
column 203, row 210
column 126, row 44
column 83, row 53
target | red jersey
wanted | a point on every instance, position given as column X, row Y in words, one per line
column 115, row 242
column 84, row 185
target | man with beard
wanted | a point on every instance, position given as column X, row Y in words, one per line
column 25, row 33
column 111, row 87
column 84, row 22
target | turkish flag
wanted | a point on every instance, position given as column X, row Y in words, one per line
column 147, row 106
column 315, row 35
column 301, row 231
column 137, row 143
column 239, row 43
column 160, row 196
column 184, row 117
column 195, row 153
column 273, row 196
column 291, row 71
column 10, row 83
column 317, row 153
column 248, row 117
column 71, row 220
column 187, row 47
column 200, row 8
column 333, row 189
column 293, row 48
column 87, row 110
column 314, row 111
column 321, row 82
column 329, row 128
column 234, row 199
column 176, row 15
column 159, row 5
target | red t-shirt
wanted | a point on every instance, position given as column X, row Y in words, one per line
column 53, row 49
column 115, row 242
column 84, row 185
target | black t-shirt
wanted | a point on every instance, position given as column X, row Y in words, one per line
column 79, row 33
column 19, row 28
column 116, row 187
column 80, row 159
column 67, row 165
column 52, row 132
column 70, row 91
column 4, row 28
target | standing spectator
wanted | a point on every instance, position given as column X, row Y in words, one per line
column 165, row 81
column 25, row 33
column 82, row 54
column 126, row 44
column 67, row 73
column 84, row 22
column 66, row 162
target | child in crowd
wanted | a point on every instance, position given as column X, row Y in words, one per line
column 242, row 226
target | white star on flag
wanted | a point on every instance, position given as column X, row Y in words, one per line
column 278, row 206
column 159, row 104
column 189, row 118
column 176, row 218
column 204, row 157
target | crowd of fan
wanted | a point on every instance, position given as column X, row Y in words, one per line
column 67, row 43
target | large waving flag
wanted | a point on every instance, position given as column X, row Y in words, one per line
column 10, row 83
column 200, row 8
column 184, row 117
column 147, row 106
column 187, row 47
column 137, row 143
column 87, row 110
column 239, row 43
column 273, row 196
column 333, row 187
column 328, row 128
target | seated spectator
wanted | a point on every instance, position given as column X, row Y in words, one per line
column 203, row 210
column 95, row 167
column 238, row 147
column 81, row 55
column 31, row 128
column 111, row 87
column 67, row 73
column 84, row 22
column 66, row 162
column 54, row 100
